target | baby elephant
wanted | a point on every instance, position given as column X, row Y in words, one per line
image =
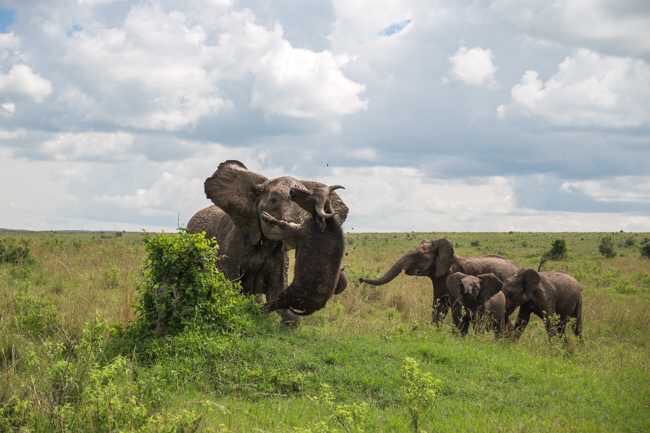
column 477, row 298
column 546, row 294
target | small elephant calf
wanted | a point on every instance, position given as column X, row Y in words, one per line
column 477, row 298
column 546, row 294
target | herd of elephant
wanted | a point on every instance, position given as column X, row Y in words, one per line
column 256, row 220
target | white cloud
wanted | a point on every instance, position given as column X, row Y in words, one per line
column 473, row 66
column 166, row 68
column 8, row 108
column 9, row 41
column 89, row 146
column 304, row 84
column 21, row 80
column 615, row 189
column 406, row 199
column 588, row 90
column 622, row 27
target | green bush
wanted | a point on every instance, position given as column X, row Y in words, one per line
column 419, row 391
column 182, row 288
column 606, row 247
column 15, row 252
column 558, row 250
column 629, row 242
column 35, row 316
column 645, row 248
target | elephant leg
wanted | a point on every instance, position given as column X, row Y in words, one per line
column 577, row 326
column 467, row 318
column 522, row 321
column 440, row 309
column 342, row 283
column 561, row 327
column 456, row 314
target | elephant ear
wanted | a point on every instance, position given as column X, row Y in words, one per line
column 303, row 197
column 444, row 257
column 531, row 280
column 234, row 189
column 336, row 203
column 455, row 285
column 490, row 286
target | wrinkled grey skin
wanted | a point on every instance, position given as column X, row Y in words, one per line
column 315, row 280
column 545, row 294
column 494, row 310
column 252, row 249
column 471, row 298
column 436, row 259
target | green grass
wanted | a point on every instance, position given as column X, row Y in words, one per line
column 268, row 381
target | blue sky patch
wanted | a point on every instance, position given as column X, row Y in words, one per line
column 7, row 18
column 395, row 28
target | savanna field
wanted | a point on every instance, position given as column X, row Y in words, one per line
column 370, row 361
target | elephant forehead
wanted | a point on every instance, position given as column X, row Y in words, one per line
column 471, row 279
column 282, row 185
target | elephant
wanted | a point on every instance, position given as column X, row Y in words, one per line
column 546, row 294
column 436, row 259
column 252, row 244
column 494, row 309
column 472, row 300
column 315, row 280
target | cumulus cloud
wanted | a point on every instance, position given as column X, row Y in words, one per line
column 473, row 66
column 166, row 68
column 588, row 89
column 91, row 146
column 300, row 83
column 148, row 96
column 408, row 199
column 21, row 80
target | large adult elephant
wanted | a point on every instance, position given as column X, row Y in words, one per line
column 255, row 221
column 436, row 259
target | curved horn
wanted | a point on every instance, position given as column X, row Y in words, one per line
column 322, row 201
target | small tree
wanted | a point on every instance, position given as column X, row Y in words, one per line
column 606, row 247
column 419, row 390
column 558, row 250
column 182, row 288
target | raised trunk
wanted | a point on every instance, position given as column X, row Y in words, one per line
column 390, row 275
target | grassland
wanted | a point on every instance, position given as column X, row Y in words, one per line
column 270, row 380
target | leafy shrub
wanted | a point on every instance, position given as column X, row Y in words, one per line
column 35, row 316
column 342, row 418
column 475, row 243
column 558, row 250
column 15, row 252
column 629, row 242
column 419, row 390
column 182, row 288
column 606, row 247
column 645, row 248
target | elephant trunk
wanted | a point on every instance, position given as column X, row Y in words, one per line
column 390, row 275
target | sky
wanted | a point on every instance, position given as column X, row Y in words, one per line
column 484, row 115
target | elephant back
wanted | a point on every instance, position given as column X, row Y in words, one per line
column 213, row 221
column 499, row 266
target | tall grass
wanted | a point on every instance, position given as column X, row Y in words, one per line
column 51, row 344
